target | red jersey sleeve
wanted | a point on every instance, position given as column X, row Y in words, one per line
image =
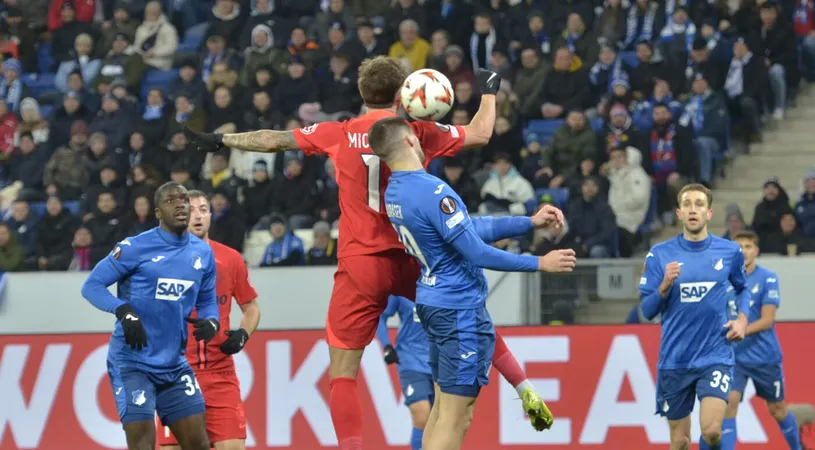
column 320, row 138
column 244, row 291
column 438, row 139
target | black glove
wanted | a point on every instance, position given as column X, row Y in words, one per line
column 235, row 341
column 205, row 142
column 390, row 355
column 488, row 81
column 205, row 329
column 135, row 336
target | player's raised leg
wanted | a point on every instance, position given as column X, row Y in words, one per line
column 535, row 408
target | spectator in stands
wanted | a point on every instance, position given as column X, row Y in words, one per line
column 85, row 253
column 113, row 121
column 25, row 225
column 506, row 138
column 296, row 88
column 455, row 67
column 181, row 175
column 671, row 155
column 642, row 23
column 805, row 208
column 706, row 113
column 744, row 87
column 122, row 62
column 143, row 181
column 12, row 89
column 582, row 44
column 189, row 83
column 677, row 39
column 259, row 194
column 32, row 12
column 110, row 182
column 262, row 53
column 367, row 44
column 324, row 250
column 66, row 173
column 505, row 191
column 68, row 28
column 713, row 67
column 572, row 143
column 733, row 221
column 643, row 116
column 156, row 39
column 28, row 162
column 32, row 122
column 328, row 207
column 411, row 49
column 610, row 26
column 141, row 217
column 218, row 53
column 70, row 112
column 566, row 87
column 780, row 56
column 482, row 41
column 263, row 13
column 261, row 115
column 501, row 64
column 101, row 155
column 307, row 51
column 55, row 235
column 221, row 76
column 339, row 15
column 81, row 11
column 8, row 126
column 122, row 27
column 224, row 112
column 403, row 10
column 227, row 221
column 592, row 222
column 529, row 82
column 767, row 215
column 89, row 96
column 788, row 240
column 439, row 41
column 153, row 121
column 804, row 28
column 462, row 183
column 286, row 249
column 619, row 129
column 644, row 74
column 187, row 114
column 375, row 9
column 11, row 252
column 544, row 241
column 452, row 16
column 602, row 73
column 8, row 44
column 227, row 21
column 221, row 177
column 104, row 224
column 82, row 60
column 629, row 195
column 537, row 34
column 339, row 94
column 299, row 205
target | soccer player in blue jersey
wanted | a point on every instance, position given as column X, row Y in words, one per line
column 686, row 280
column 433, row 224
column 758, row 356
column 410, row 354
column 161, row 275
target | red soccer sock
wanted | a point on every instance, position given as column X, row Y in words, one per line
column 346, row 413
column 506, row 364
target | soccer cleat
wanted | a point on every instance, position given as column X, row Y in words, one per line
column 536, row 410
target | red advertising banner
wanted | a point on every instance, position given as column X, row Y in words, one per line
column 598, row 380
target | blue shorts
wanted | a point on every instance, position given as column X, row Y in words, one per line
column 417, row 386
column 139, row 394
column 768, row 380
column 678, row 389
column 461, row 346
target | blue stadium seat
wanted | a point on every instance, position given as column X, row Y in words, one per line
column 596, row 124
column 196, row 31
column 40, row 84
column 190, row 44
column 44, row 60
column 629, row 58
column 46, row 110
column 559, row 195
column 38, row 208
column 545, row 129
column 160, row 79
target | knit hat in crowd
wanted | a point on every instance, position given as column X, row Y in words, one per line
column 732, row 210
column 322, row 227
column 79, row 127
column 532, row 137
column 276, row 218
column 260, row 166
column 13, row 64
column 810, row 173
column 618, row 108
column 772, row 181
column 454, row 50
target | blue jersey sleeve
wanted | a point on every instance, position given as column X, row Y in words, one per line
column 118, row 265
column 738, row 278
column 382, row 328
column 206, row 306
column 651, row 301
column 772, row 293
column 492, row 229
column 470, row 245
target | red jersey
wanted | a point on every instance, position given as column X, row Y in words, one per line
column 364, row 225
column 231, row 281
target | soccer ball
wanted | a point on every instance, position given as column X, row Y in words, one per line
column 427, row 95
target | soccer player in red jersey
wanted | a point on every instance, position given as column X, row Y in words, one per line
column 372, row 262
column 212, row 363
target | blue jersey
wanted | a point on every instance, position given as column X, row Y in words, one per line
column 162, row 276
column 411, row 340
column 761, row 348
column 695, row 310
column 432, row 222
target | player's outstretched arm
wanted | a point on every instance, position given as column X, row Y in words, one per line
column 493, row 229
column 265, row 141
column 470, row 245
column 479, row 131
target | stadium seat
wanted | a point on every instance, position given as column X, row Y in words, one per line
column 560, row 195
column 196, row 31
column 38, row 208
column 45, row 62
column 596, row 124
column 160, row 79
column 39, row 84
column 190, row 44
column 46, row 110
column 545, row 129
column 629, row 58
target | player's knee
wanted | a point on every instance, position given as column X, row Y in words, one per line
column 712, row 433
column 680, row 443
column 343, row 363
column 778, row 410
column 420, row 413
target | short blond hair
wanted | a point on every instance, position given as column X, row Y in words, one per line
column 695, row 187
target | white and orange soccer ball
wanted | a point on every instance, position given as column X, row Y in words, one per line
column 427, row 95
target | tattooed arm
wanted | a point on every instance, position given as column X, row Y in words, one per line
column 266, row 141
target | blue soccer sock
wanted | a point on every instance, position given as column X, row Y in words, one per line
column 705, row 446
column 416, row 439
column 729, row 434
column 789, row 428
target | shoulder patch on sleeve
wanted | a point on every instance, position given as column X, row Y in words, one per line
column 117, row 251
column 448, row 205
column 309, row 129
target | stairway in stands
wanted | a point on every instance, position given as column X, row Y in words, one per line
column 787, row 152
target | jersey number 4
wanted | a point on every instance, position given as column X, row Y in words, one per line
column 374, row 181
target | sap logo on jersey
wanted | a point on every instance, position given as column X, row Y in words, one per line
column 695, row 292
column 171, row 289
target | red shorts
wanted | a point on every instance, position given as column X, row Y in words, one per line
column 362, row 285
column 225, row 416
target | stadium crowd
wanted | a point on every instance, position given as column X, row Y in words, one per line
column 606, row 108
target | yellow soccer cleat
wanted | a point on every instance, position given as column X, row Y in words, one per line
column 536, row 410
